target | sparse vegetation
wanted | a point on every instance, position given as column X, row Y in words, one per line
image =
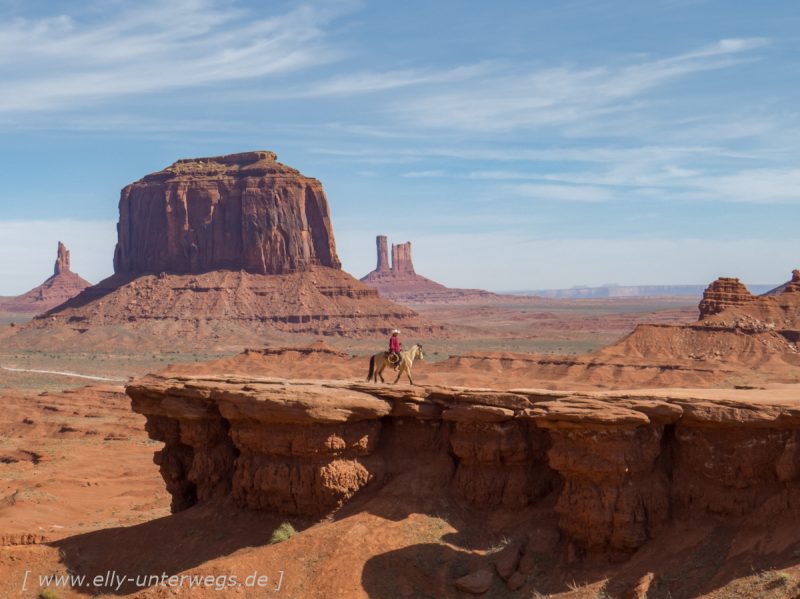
column 284, row 532
column 504, row 542
column 49, row 594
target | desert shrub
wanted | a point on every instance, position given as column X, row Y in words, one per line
column 282, row 533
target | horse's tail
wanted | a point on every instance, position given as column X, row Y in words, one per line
column 371, row 367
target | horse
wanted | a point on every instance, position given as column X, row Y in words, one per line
column 381, row 360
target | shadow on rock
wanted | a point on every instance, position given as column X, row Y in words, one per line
column 168, row 545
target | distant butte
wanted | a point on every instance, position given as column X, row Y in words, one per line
column 399, row 281
column 62, row 286
column 223, row 251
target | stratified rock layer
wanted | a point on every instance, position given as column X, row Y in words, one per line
column 723, row 293
column 238, row 212
column 623, row 466
column 62, row 286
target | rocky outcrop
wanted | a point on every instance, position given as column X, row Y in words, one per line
column 723, row 293
column 622, row 467
column 399, row 281
column 237, row 212
column 62, row 286
column 383, row 254
column 401, row 258
column 791, row 285
column 62, row 260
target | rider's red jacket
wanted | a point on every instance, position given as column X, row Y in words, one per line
column 394, row 344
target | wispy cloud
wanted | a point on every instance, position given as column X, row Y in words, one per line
column 563, row 193
column 558, row 96
column 367, row 82
column 64, row 61
column 424, row 174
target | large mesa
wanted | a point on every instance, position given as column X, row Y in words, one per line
column 227, row 251
column 239, row 212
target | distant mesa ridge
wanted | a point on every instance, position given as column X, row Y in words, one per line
column 629, row 291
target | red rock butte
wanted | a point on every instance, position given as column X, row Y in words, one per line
column 399, row 281
column 237, row 212
column 60, row 287
column 222, row 251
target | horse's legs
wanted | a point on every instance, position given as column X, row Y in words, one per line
column 379, row 372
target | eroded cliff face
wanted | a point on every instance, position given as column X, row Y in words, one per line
column 619, row 468
column 238, row 212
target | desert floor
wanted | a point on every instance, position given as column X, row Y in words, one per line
column 79, row 492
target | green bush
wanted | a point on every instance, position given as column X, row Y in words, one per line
column 282, row 533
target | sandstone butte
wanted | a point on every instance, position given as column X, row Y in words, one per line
column 398, row 281
column 60, row 287
column 223, row 251
column 617, row 471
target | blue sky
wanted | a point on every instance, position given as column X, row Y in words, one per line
column 517, row 144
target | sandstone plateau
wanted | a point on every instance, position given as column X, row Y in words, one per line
column 398, row 281
column 221, row 252
column 61, row 286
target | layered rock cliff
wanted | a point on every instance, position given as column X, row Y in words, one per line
column 617, row 468
column 57, row 289
column 723, row 293
column 238, row 212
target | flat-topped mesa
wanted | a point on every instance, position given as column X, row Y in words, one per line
column 62, row 260
column 723, row 293
column 237, row 212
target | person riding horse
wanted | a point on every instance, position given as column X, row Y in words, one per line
column 394, row 349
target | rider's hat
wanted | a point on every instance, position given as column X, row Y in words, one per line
column 395, row 332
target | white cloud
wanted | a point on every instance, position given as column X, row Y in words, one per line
column 559, row 96
column 28, row 250
column 563, row 193
column 371, row 82
column 424, row 174
column 65, row 61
